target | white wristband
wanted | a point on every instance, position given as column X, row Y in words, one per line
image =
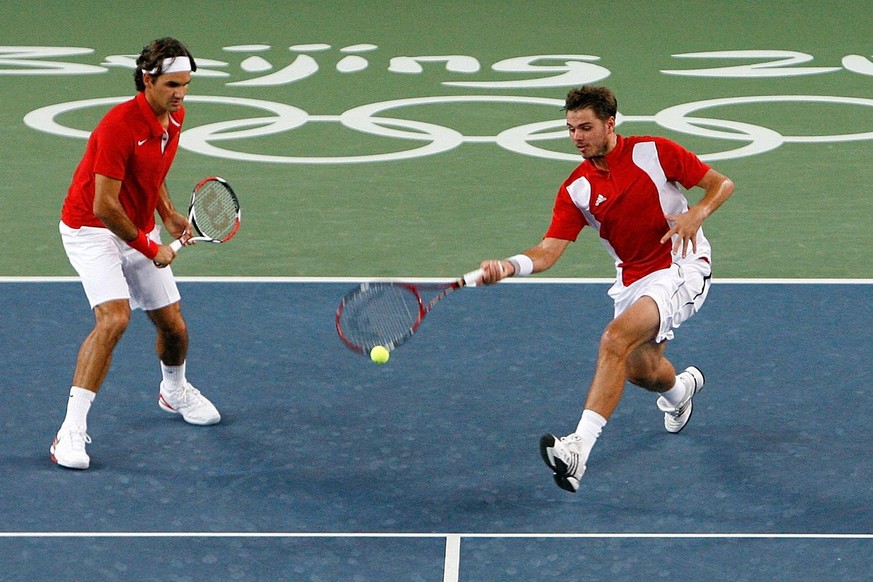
column 523, row 265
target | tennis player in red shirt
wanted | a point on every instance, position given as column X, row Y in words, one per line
column 110, row 235
column 628, row 189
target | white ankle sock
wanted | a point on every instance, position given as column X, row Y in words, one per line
column 676, row 394
column 174, row 377
column 589, row 428
column 78, row 406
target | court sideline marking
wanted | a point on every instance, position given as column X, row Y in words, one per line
column 514, row 281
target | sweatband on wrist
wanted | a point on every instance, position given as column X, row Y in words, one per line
column 523, row 265
column 145, row 245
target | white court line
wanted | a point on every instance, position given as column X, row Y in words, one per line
column 452, row 567
column 452, row 562
column 458, row 536
column 523, row 281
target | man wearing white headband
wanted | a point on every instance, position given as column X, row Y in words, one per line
column 111, row 238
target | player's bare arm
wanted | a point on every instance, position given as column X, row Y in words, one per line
column 175, row 222
column 718, row 188
column 543, row 256
column 108, row 208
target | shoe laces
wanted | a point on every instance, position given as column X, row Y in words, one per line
column 571, row 438
column 571, row 444
column 186, row 395
column 78, row 439
column 570, row 454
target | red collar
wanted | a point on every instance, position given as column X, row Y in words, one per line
column 149, row 116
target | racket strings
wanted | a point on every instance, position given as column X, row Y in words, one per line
column 215, row 211
column 380, row 315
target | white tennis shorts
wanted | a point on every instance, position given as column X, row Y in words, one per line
column 679, row 292
column 111, row 269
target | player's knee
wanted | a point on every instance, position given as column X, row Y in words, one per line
column 112, row 320
column 614, row 343
column 175, row 332
column 170, row 323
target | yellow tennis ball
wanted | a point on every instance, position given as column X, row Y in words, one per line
column 379, row 354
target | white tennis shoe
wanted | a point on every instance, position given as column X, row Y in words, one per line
column 68, row 448
column 564, row 458
column 676, row 417
column 190, row 403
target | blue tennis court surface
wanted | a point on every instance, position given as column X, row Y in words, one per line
column 329, row 467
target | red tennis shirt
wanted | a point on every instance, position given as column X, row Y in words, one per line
column 129, row 144
column 627, row 203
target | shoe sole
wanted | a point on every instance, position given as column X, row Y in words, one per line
column 547, row 442
column 565, row 484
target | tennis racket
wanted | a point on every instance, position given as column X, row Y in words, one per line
column 213, row 212
column 389, row 313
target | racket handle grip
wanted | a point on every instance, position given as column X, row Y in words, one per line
column 176, row 245
column 472, row 278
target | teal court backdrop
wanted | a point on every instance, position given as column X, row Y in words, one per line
column 414, row 139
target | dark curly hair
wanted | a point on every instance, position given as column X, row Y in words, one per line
column 601, row 100
column 152, row 58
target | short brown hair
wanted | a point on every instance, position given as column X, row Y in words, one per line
column 152, row 58
column 601, row 100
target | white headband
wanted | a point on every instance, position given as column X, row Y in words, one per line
column 180, row 64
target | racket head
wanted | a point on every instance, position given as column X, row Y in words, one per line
column 214, row 211
column 379, row 314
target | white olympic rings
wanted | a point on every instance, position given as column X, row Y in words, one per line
column 439, row 139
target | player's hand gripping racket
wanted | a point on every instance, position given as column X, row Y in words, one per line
column 213, row 212
column 389, row 313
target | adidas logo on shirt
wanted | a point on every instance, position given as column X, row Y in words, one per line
column 600, row 200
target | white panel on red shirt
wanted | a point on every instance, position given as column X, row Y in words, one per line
column 627, row 203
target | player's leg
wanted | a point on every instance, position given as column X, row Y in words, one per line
column 648, row 368
column 635, row 327
column 568, row 456
column 680, row 292
column 171, row 342
column 92, row 365
column 154, row 290
column 176, row 394
column 96, row 254
column 95, row 354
